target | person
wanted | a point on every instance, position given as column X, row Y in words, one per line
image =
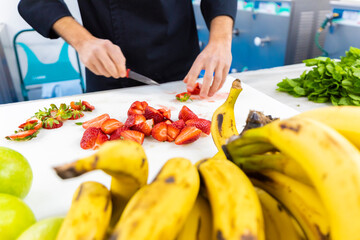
column 156, row 38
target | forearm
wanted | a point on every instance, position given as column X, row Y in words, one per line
column 221, row 30
column 72, row 32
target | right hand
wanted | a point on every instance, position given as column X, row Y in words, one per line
column 102, row 57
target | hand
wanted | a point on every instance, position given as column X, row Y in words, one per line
column 102, row 57
column 215, row 59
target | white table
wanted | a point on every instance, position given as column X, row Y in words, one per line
column 51, row 196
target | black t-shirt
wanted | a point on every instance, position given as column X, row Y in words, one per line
column 157, row 37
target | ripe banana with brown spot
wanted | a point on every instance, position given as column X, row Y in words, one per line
column 223, row 125
column 89, row 214
column 198, row 225
column 278, row 222
column 158, row 210
column 331, row 162
column 344, row 119
column 301, row 200
column 125, row 161
column 234, row 203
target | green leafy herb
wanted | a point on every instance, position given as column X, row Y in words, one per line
column 332, row 81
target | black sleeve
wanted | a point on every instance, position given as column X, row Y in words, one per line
column 213, row 8
column 42, row 14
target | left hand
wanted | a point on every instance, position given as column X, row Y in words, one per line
column 215, row 58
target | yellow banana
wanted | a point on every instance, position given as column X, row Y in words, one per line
column 301, row 200
column 235, row 206
column 223, row 124
column 125, row 161
column 198, row 225
column 331, row 162
column 272, row 161
column 344, row 119
column 159, row 210
column 89, row 214
column 278, row 222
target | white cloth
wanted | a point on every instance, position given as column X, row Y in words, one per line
column 60, row 89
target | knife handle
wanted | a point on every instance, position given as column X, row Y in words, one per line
column 127, row 72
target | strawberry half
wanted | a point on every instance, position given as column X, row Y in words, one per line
column 188, row 135
column 172, row 132
column 132, row 135
column 179, row 124
column 183, row 97
column 101, row 138
column 137, row 108
column 144, row 127
column 134, row 119
column 196, row 90
column 186, row 114
column 76, row 105
column 110, row 125
column 200, row 123
column 89, row 138
column 116, row 134
column 152, row 113
column 165, row 112
column 96, row 122
column 159, row 132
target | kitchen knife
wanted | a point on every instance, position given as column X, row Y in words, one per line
column 138, row 77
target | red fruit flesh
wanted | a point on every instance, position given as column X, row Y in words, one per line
column 144, row 127
column 152, row 113
column 132, row 135
column 137, row 108
column 159, row 132
column 165, row 112
column 134, row 119
column 188, row 135
column 110, row 125
column 96, row 122
column 196, row 90
column 172, row 132
column 186, row 114
column 101, row 138
column 89, row 137
column 200, row 123
column 179, row 124
column 88, row 106
column 116, row 134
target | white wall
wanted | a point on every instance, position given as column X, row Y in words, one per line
column 14, row 23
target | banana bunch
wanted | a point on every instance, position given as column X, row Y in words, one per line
column 308, row 164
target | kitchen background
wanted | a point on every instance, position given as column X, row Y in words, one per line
column 266, row 34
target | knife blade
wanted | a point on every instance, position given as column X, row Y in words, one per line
column 140, row 78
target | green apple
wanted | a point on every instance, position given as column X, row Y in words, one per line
column 15, row 216
column 15, row 173
column 45, row 229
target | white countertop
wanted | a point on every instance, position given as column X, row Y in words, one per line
column 51, row 196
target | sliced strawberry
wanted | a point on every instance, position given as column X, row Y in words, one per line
column 183, row 97
column 76, row 114
column 31, row 124
column 137, row 108
column 87, row 106
column 179, row 124
column 172, row 132
column 196, row 90
column 61, row 113
column 144, row 127
column 101, row 138
column 168, row 121
column 200, row 123
column 96, row 122
column 134, row 119
column 133, row 135
column 110, row 125
column 189, row 134
column 186, row 114
column 23, row 135
column 89, row 137
column 159, row 132
column 152, row 113
column 165, row 112
column 76, row 105
column 51, row 123
column 116, row 134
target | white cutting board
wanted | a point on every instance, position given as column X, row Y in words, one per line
column 51, row 196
